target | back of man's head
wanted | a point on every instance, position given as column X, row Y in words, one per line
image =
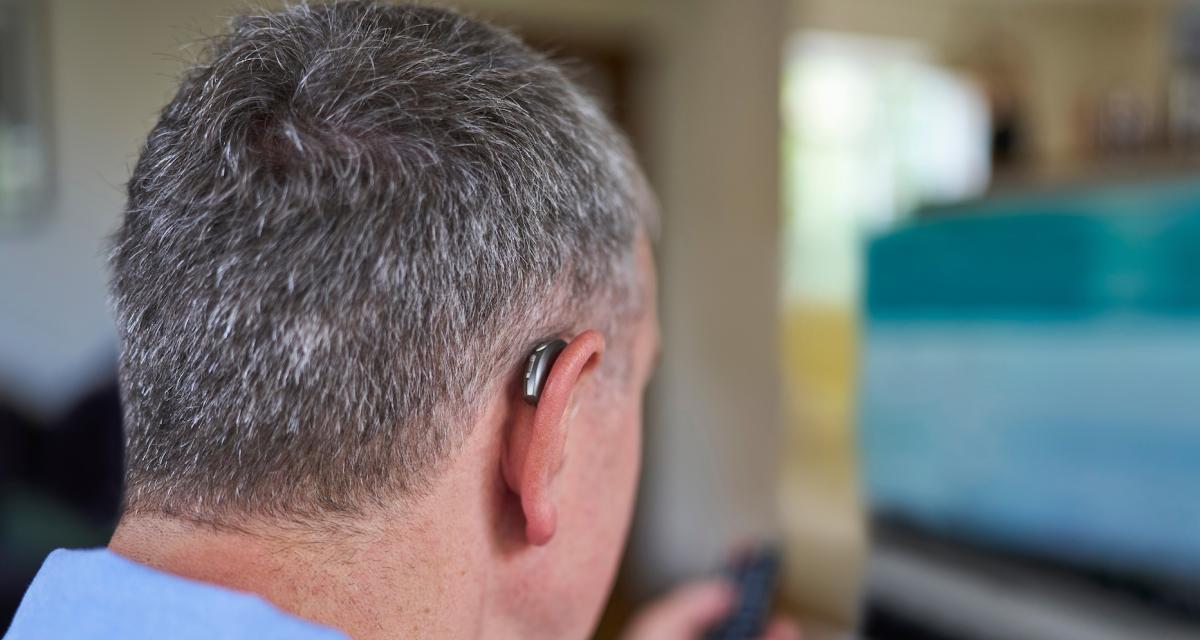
column 348, row 226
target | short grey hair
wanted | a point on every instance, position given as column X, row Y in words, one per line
column 345, row 230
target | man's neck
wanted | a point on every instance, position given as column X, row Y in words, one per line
column 380, row 581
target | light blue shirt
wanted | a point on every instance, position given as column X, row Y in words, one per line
column 97, row 594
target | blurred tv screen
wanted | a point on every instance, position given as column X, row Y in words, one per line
column 1029, row 378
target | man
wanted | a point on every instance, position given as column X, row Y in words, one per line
column 344, row 237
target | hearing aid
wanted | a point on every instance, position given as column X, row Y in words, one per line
column 538, row 367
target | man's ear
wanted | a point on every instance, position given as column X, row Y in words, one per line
column 534, row 447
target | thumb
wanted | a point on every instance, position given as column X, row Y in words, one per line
column 683, row 614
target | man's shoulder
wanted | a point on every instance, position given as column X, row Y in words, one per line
column 98, row 594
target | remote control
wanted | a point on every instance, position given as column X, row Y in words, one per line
column 754, row 575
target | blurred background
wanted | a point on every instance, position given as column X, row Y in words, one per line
column 930, row 286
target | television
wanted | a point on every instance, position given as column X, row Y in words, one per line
column 1029, row 400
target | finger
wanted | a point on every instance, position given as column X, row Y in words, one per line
column 685, row 612
column 781, row 628
column 695, row 606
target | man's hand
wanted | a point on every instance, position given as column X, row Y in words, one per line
column 686, row 612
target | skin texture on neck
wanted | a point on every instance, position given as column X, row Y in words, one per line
column 519, row 537
column 413, row 573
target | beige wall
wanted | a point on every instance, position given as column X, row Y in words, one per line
column 111, row 67
column 715, row 420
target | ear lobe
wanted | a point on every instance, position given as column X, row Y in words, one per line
column 537, row 440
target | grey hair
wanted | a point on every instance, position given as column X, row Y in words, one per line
column 345, row 230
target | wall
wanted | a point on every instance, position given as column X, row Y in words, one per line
column 715, row 420
column 111, row 67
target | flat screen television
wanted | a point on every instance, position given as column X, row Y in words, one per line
column 1030, row 382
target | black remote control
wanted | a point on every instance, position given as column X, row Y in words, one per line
column 754, row 575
